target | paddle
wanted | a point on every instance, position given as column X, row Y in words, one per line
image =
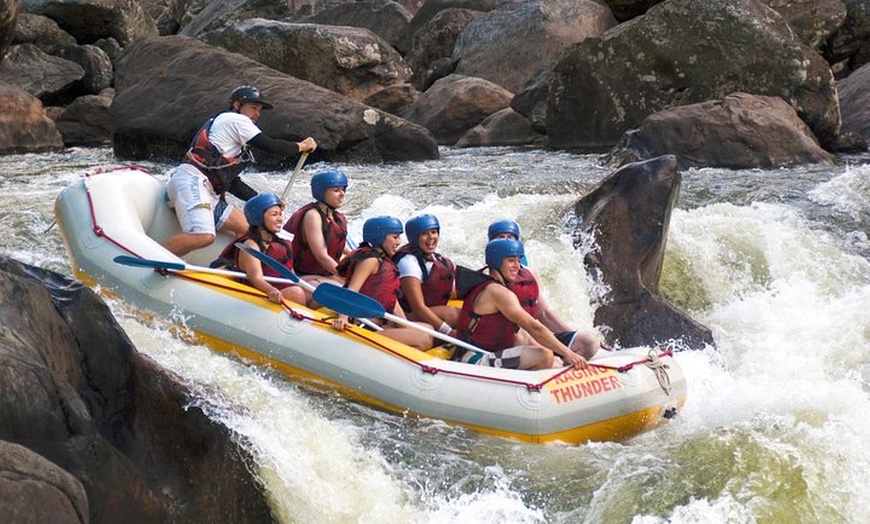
column 178, row 266
column 357, row 305
column 293, row 176
column 287, row 273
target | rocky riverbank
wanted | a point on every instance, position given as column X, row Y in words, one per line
column 740, row 84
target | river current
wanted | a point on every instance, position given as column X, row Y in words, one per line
column 777, row 423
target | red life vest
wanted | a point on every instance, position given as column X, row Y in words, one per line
column 492, row 331
column 437, row 283
column 383, row 285
column 219, row 169
column 525, row 287
column 334, row 235
column 278, row 249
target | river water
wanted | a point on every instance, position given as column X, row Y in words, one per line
column 777, row 423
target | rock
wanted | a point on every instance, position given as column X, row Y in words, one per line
column 41, row 31
column 455, row 104
column 385, row 18
column 627, row 9
column 8, row 19
column 75, row 391
column 394, row 100
column 629, row 214
column 854, row 92
column 52, row 79
column 435, row 40
column 178, row 102
column 813, row 21
column 91, row 20
column 86, row 122
column 431, row 8
column 351, row 61
column 850, row 45
column 683, row 52
column 504, row 128
column 740, row 131
column 508, row 46
column 96, row 64
column 34, row 489
column 24, row 128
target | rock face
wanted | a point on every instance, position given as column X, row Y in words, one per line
column 854, row 93
column 629, row 213
column 165, row 75
column 351, row 61
column 740, row 131
column 682, row 52
column 508, row 46
column 97, row 431
column 24, row 128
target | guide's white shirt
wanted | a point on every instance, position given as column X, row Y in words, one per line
column 230, row 132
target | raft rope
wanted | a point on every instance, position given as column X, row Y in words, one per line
column 653, row 361
column 660, row 370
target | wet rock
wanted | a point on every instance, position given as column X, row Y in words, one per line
column 629, row 214
column 86, row 122
column 739, row 131
column 75, row 391
column 504, row 128
column 854, row 92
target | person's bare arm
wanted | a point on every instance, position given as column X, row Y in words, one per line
column 312, row 228
column 507, row 304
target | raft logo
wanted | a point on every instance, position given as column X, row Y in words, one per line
column 580, row 383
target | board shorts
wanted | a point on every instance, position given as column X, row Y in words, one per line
column 566, row 337
column 508, row 358
column 198, row 208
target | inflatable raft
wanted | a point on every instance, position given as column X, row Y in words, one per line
column 123, row 212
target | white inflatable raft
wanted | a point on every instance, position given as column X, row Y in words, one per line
column 124, row 212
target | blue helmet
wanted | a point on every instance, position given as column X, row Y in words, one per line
column 503, row 226
column 257, row 206
column 375, row 230
column 420, row 224
column 245, row 94
column 323, row 181
column 499, row 249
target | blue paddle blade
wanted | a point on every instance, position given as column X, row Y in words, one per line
column 348, row 301
column 269, row 261
column 144, row 262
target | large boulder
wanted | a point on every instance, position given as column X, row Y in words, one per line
column 9, row 10
column 24, row 128
column 54, row 80
column 86, row 121
column 508, row 46
column 455, row 104
column 813, row 21
column 849, row 48
column 739, row 131
column 351, row 61
column 682, row 52
column 91, row 20
column 503, row 128
column 41, row 31
column 435, row 40
column 854, row 92
column 430, row 10
column 629, row 214
column 161, row 100
column 74, row 390
column 385, row 18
